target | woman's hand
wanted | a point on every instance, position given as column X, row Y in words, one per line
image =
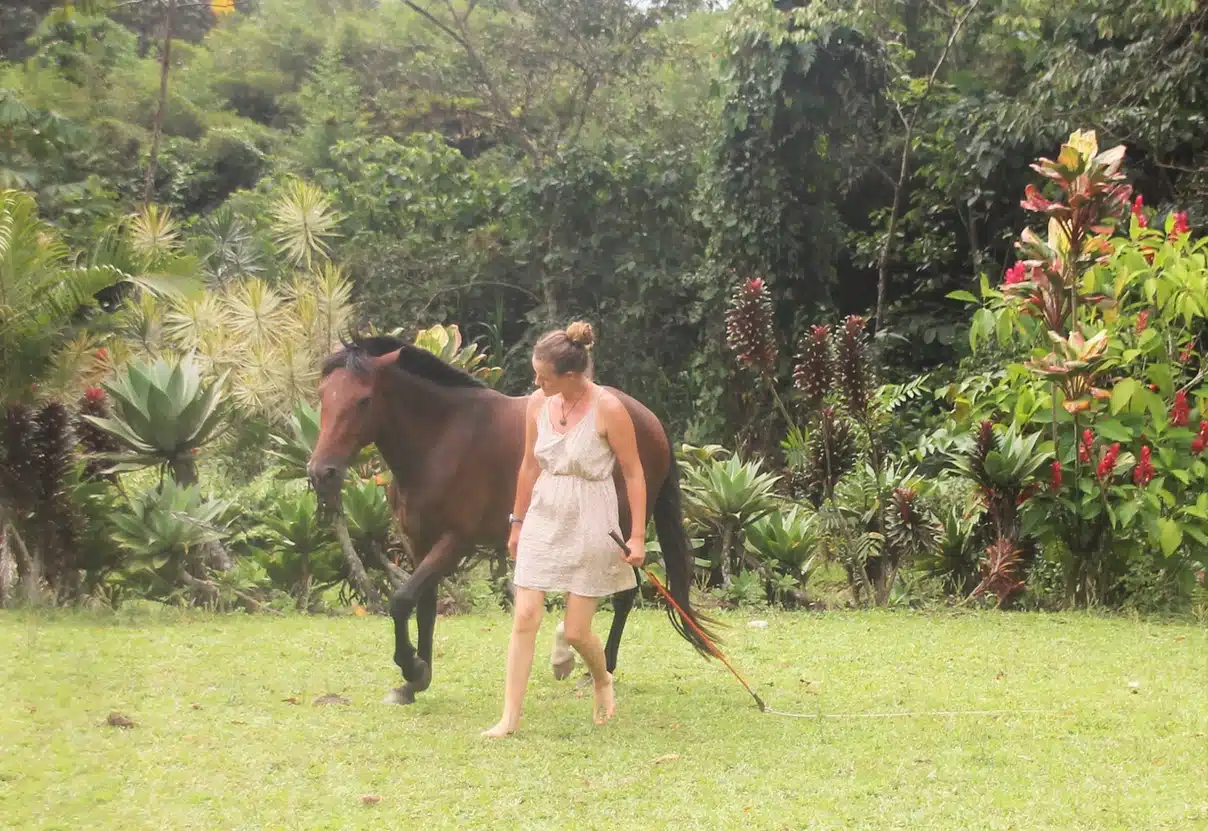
column 513, row 541
column 637, row 552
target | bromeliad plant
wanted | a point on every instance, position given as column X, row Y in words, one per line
column 1107, row 311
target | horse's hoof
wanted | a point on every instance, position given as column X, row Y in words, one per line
column 400, row 695
column 561, row 658
column 420, row 677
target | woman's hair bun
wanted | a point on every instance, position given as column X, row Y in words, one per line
column 580, row 332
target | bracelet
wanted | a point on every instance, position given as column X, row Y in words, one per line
column 515, row 520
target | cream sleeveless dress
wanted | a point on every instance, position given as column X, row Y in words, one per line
column 564, row 544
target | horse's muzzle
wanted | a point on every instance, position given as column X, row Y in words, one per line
column 326, row 480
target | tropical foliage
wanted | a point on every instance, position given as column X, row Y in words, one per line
column 787, row 220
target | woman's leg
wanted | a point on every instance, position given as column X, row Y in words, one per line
column 579, row 611
column 529, row 607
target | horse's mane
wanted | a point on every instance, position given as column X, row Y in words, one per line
column 358, row 350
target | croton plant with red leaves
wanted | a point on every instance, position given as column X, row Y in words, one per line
column 1105, row 313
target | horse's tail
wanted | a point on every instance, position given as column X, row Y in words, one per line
column 678, row 560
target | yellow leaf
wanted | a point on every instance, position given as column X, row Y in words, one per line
column 1058, row 240
column 221, row 7
column 1085, row 142
column 359, row 611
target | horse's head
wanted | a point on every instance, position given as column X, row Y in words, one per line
column 370, row 385
column 351, row 414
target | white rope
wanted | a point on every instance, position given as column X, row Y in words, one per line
column 910, row 714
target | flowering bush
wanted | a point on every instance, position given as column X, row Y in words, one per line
column 1106, row 312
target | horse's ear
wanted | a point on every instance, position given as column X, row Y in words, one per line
column 387, row 359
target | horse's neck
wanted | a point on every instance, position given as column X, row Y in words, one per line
column 421, row 415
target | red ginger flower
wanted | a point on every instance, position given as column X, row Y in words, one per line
column 1180, row 410
column 1084, row 449
column 94, row 395
column 1016, row 274
column 1142, row 321
column 1107, row 465
column 1138, row 210
column 1201, row 439
column 1055, row 482
column 1143, row 473
column 1181, row 225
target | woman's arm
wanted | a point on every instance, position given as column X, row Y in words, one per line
column 529, row 469
column 618, row 430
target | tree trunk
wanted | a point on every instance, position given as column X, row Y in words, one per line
column 303, row 600
column 8, row 568
column 356, row 569
column 29, row 567
column 165, row 65
column 887, row 245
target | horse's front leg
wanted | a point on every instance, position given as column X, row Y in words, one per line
column 416, row 592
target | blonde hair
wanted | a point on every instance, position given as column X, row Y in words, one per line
column 567, row 350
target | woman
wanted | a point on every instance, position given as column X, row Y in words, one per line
column 565, row 507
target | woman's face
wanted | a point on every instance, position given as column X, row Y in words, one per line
column 550, row 382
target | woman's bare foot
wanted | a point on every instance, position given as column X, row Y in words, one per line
column 499, row 731
column 606, row 703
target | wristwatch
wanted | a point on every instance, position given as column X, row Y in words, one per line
column 515, row 520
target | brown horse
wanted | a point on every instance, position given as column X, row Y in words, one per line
column 454, row 447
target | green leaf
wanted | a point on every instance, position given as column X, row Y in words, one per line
column 1113, row 430
column 1122, row 393
column 1170, row 536
column 962, row 295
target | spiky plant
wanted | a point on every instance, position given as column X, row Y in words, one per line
column 832, row 452
column 956, row 558
column 749, row 330
column 165, row 413
column 1000, row 571
column 18, row 465
column 812, row 374
column 853, row 367
column 166, row 530
column 55, row 519
column 304, row 224
column 94, row 442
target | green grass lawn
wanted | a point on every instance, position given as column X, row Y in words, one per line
column 218, row 743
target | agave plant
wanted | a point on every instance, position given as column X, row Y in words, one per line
column 369, row 517
column 306, row 551
column 727, row 496
column 1003, row 465
column 294, row 450
column 955, row 560
column 875, row 524
column 167, row 529
column 164, row 414
column 788, row 543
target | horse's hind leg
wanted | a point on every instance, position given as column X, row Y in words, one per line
column 622, row 603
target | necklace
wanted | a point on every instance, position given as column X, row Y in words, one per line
column 562, row 420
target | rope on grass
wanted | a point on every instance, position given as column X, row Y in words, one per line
column 908, row 714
